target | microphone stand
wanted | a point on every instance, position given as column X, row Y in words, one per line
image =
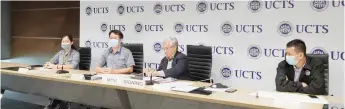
column 61, row 71
column 149, row 82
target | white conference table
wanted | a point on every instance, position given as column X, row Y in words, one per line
column 97, row 93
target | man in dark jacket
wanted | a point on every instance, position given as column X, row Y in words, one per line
column 174, row 64
column 300, row 73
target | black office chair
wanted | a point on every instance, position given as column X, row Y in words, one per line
column 324, row 59
column 138, row 55
column 200, row 62
column 85, row 61
column 85, row 58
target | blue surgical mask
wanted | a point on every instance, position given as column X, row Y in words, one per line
column 291, row 60
column 66, row 46
column 113, row 42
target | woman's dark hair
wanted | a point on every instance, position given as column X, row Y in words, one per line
column 70, row 37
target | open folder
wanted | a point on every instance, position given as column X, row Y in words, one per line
column 290, row 97
column 184, row 88
column 192, row 89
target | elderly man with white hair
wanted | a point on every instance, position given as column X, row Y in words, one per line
column 174, row 64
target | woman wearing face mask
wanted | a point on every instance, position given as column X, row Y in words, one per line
column 67, row 58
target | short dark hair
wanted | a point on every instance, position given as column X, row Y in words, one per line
column 298, row 44
column 117, row 32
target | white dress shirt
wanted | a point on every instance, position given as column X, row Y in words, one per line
column 297, row 73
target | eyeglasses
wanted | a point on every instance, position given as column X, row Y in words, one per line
column 166, row 48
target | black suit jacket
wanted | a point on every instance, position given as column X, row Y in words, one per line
column 179, row 67
column 315, row 79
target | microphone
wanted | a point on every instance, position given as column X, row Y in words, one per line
column 149, row 82
column 62, row 71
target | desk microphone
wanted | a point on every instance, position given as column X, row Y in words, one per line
column 257, row 95
column 61, row 71
column 149, row 82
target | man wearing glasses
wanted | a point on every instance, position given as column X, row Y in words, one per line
column 174, row 64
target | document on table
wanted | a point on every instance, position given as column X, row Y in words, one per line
column 180, row 83
column 184, row 88
column 42, row 68
column 162, row 86
column 290, row 97
column 153, row 78
column 165, row 80
column 171, row 85
column 216, row 89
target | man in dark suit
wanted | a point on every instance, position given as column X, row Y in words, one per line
column 300, row 73
column 174, row 64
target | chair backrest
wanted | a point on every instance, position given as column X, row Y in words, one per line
column 138, row 55
column 324, row 59
column 85, row 58
column 200, row 62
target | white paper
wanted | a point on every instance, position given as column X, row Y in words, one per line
column 217, row 89
column 153, row 78
column 180, row 83
column 77, row 77
column 42, row 68
column 23, row 70
column 169, row 86
column 285, row 105
column 290, row 97
column 166, row 80
column 184, row 88
column 163, row 86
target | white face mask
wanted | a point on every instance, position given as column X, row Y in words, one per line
column 66, row 46
column 113, row 42
column 291, row 60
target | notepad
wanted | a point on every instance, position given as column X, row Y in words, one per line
column 162, row 87
column 217, row 89
column 184, row 88
column 165, row 80
column 171, row 85
column 293, row 97
column 153, row 78
column 180, row 83
column 42, row 68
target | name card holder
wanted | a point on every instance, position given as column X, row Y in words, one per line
column 133, row 82
column 111, row 79
column 118, row 80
